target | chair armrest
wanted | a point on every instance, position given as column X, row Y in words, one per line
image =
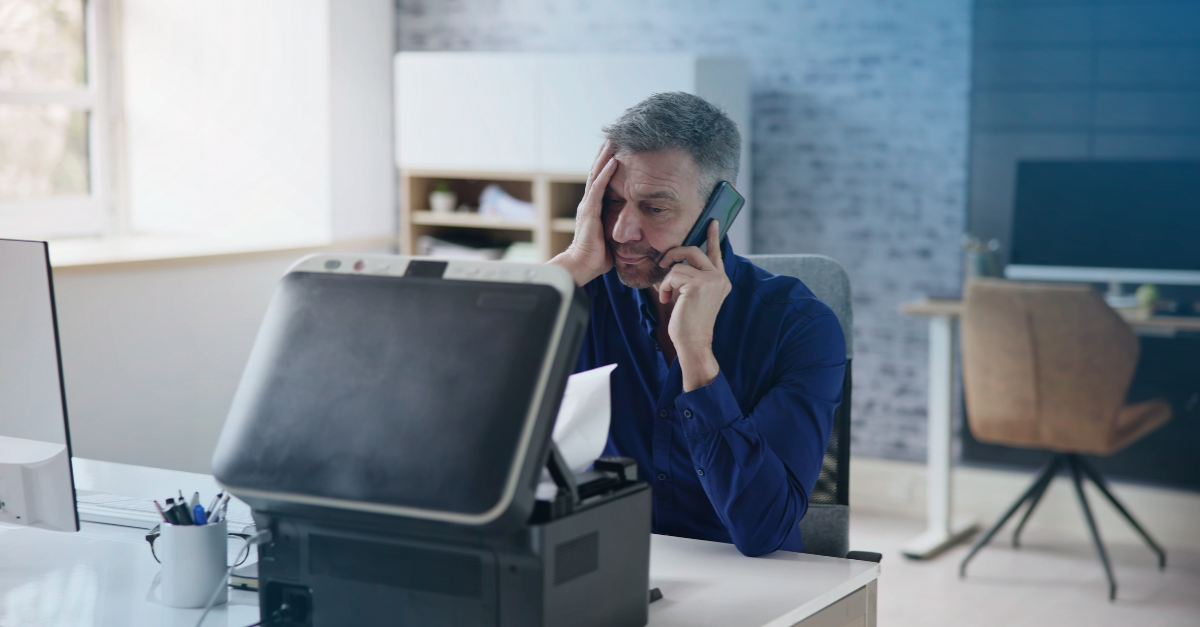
column 864, row 556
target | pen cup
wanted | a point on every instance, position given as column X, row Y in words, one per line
column 194, row 560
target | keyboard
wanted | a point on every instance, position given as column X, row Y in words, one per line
column 111, row 509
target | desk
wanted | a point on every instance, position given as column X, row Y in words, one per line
column 104, row 576
column 944, row 530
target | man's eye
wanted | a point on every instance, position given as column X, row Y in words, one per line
column 657, row 209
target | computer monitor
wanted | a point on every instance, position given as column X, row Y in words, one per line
column 1107, row 222
column 37, row 486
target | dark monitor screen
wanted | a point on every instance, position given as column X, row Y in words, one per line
column 390, row 390
column 1107, row 214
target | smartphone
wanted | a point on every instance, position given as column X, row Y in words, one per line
column 723, row 205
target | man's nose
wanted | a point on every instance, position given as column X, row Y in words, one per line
column 628, row 227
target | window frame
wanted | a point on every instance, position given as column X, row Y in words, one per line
column 95, row 213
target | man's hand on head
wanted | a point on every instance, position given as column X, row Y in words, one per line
column 588, row 255
column 698, row 288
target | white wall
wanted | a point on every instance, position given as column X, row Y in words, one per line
column 227, row 114
column 260, row 119
column 153, row 352
column 363, row 171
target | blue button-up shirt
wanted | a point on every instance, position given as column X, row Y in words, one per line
column 733, row 461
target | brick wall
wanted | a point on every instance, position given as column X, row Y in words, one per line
column 859, row 140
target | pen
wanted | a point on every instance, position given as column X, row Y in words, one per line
column 160, row 512
column 181, row 512
column 212, row 506
column 198, row 515
column 194, row 502
column 221, row 509
column 170, row 513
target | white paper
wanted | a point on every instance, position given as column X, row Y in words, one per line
column 581, row 429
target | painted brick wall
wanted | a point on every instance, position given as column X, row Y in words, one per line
column 859, row 140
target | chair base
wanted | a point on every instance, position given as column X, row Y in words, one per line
column 1079, row 468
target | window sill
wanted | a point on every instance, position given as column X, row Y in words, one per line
column 157, row 249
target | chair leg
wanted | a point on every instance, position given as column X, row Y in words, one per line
column 1098, row 479
column 1047, row 471
column 1077, row 477
column 1044, row 482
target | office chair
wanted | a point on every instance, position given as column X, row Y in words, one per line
column 825, row 528
column 1047, row 366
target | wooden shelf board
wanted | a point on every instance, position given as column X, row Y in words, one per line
column 563, row 225
column 469, row 175
column 470, row 220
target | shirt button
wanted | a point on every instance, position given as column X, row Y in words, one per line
column 662, row 476
column 687, row 413
column 700, row 471
column 663, row 413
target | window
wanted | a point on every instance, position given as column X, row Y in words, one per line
column 55, row 159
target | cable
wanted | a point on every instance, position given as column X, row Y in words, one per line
column 258, row 538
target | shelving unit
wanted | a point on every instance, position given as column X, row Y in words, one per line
column 555, row 197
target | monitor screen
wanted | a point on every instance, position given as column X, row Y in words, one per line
column 1107, row 214
column 35, row 447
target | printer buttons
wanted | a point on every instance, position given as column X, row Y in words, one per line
column 333, row 264
column 662, row 476
column 700, row 471
column 662, row 413
column 687, row 413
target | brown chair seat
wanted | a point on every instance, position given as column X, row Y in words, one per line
column 1135, row 421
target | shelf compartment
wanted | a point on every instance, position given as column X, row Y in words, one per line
column 565, row 195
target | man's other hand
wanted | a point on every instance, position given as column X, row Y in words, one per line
column 588, row 256
column 698, row 289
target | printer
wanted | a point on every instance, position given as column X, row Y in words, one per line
column 391, row 429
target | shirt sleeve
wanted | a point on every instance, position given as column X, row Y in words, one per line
column 758, row 469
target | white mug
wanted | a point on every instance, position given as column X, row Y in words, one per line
column 194, row 561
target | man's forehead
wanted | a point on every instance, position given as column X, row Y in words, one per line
column 658, row 175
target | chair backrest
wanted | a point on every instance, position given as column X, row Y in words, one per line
column 825, row 528
column 1044, row 365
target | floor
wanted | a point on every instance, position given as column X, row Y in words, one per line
column 1048, row 581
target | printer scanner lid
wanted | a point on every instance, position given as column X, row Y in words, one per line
column 412, row 387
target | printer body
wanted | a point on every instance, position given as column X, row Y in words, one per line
column 391, row 430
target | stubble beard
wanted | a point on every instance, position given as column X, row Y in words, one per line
column 637, row 276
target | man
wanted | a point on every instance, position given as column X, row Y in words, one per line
column 727, row 375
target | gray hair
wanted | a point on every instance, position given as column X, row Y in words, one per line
column 678, row 120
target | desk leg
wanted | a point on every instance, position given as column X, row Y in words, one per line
column 872, row 602
column 941, row 532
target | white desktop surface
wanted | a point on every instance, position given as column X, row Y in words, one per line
column 99, row 577
column 710, row 583
column 104, row 575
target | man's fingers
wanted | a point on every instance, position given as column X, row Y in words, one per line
column 714, row 243
column 691, row 254
column 685, row 271
column 665, row 290
column 600, row 160
column 593, row 197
